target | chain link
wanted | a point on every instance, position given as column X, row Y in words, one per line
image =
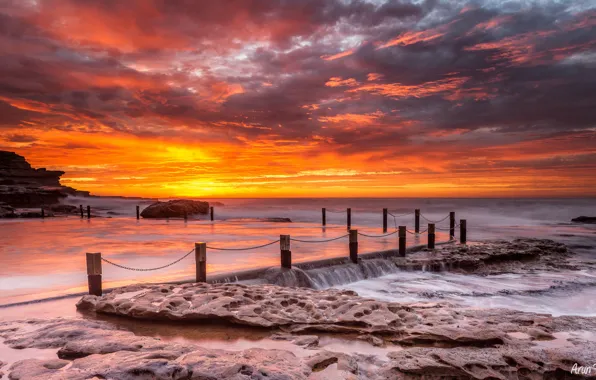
column 416, row 233
column 433, row 221
column 243, row 249
column 397, row 216
column 319, row 241
column 147, row 269
column 378, row 236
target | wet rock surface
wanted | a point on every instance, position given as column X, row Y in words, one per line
column 175, row 209
column 518, row 255
column 433, row 340
column 91, row 349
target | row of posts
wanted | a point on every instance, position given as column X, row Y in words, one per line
column 94, row 271
column 211, row 213
column 431, row 226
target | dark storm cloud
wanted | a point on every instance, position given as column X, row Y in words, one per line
column 361, row 75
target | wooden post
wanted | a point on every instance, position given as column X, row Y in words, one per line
column 138, row 212
column 431, row 236
column 452, row 225
column 324, row 215
column 81, row 208
column 384, row 220
column 211, row 211
column 462, row 231
column 88, row 212
column 43, row 213
column 185, row 216
column 201, row 261
column 354, row 246
column 349, row 212
column 417, row 220
column 94, row 273
column 402, row 241
column 285, row 253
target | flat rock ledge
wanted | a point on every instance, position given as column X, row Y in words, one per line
column 439, row 340
column 491, row 257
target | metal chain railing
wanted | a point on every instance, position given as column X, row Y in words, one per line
column 433, row 221
column 416, row 233
column 319, row 241
column 397, row 216
column 147, row 269
column 243, row 249
column 378, row 236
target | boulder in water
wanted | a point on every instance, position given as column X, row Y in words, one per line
column 175, row 209
column 585, row 219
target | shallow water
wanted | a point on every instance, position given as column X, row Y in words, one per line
column 46, row 258
column 556, row 293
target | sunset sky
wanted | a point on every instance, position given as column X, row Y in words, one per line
column 276, row 98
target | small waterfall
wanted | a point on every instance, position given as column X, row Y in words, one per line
column 347, row 273
column 325, row 277
column 294, row 277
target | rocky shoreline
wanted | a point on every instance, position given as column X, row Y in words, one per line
column 22, row 186
column 429, row 340
column 421, row 340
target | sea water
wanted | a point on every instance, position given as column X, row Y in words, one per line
column 46, row 258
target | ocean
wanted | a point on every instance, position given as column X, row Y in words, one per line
column 46, row 258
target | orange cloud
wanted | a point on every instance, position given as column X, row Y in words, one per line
column 397, row 90
column 338, row 55
column 361, row 119
column 409, row 38
column 338, row 82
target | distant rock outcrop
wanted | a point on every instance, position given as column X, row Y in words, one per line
column 23, row 186
column 585, row 219
column 175, row 209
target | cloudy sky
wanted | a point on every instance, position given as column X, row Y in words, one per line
column 303, row 97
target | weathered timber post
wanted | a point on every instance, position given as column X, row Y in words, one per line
column 452, row 225
column 417, row 220
column 81, row 208
column 211, row 212
column 285, row 253
column 384, row 220
column 402, row 241
column 462, row 231
column 185, row 216
column 88, row 212
column 138, row 212
column 354, row 246
column 431, row 236
column 43, row 213
column 324, row 216
column 201, row 261
column 349, row 211
column 94, row 273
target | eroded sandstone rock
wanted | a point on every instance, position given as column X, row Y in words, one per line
column 434, row 340
column 489, row 257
